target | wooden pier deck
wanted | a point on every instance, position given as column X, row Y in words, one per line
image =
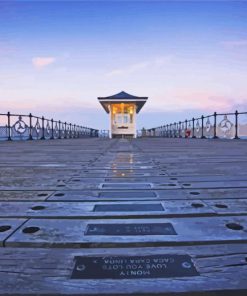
column 150, row 216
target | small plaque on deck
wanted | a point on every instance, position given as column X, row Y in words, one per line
column 123, row 180
column 130, row 229
column 126, row 185
column 133, row 267
column 127, row 194
column 128, row 208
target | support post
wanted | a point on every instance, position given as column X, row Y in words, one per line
column 30, row 127
column 193, row 128
column 52, row 130
column 70, row 132
column 43, row 128
column 186, row 126
column 236, row 125
column 65, row 130
column 202, row 136
column 215, row 125
column 175, row 130
column 59, row 129
column 76, row 131
column 9, row 127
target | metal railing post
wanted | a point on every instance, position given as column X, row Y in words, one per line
column 65, row 130
column 202, row 135
column 52, row 130
column 193, row 128
column 43, row 128
column 30, row 127
column 186, row 126
column 59, row 129
column 70, row 132
column 215, row 125
column 179, row 130
column 236, row 125
column 9, row 127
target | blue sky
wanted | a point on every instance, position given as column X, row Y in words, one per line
column 189, row 58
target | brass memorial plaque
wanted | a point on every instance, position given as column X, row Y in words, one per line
column 130, row 229
column 132, row 267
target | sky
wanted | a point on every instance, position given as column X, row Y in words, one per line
column 57, row 57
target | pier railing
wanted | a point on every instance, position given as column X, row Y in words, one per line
column 104, row 134
column 217, row 125
column 30, row 127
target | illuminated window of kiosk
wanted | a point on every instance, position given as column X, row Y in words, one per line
column 123, row 113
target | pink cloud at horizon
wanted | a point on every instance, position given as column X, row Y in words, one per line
column 201, row 102
column 40, row 62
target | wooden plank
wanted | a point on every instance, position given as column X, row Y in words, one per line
column 153, row 194
column 112, row 209
column 115, row 195
column 11, row 195
column 7, row 227
column 222, row 271
column 72, row 232
column 217, row 184
column 226, row 206
column 95, row 184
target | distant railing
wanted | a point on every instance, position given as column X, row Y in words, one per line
column 217, row 125
column 104, row 134
column 30, row 127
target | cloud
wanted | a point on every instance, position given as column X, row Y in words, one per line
column 152, row 63
column 181, row 101
column 235, row 43
column 40, row 62
column 129, row 69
